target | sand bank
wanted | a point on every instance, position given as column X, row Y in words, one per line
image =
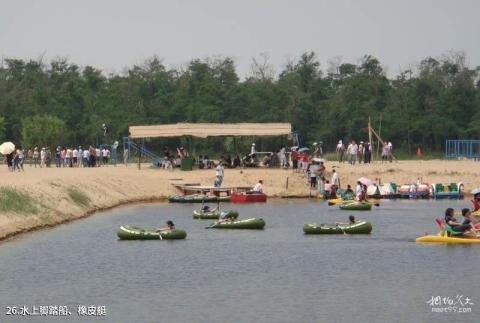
column 106, row 187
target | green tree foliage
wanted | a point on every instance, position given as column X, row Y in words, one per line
column 42, row 130
column 2, row 128
column 60, row 103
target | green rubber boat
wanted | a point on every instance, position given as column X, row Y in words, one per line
column 214, row 215
column 360, row 227
column 198, row 198
column 356, row 206
column 128, row 232
column 253, row 223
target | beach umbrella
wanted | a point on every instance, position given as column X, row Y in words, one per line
column 7, row 148
column 365, row 181
column 476, row 191
column 301, row 150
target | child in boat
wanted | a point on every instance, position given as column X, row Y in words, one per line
column 456, row 226
column 170, row 226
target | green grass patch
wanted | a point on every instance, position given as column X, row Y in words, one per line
column 12, row 200
column 78, row 197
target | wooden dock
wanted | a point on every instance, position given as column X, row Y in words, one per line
column 196, row 188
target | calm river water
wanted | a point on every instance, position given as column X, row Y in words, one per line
column 274, row 275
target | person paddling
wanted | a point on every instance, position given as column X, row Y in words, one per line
column 170, row 226
column 457, row 227
column 351, row 220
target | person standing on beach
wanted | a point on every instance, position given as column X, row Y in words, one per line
column 36, row 157
column 10, row 161
column 385, row 152
column 335, row 180
column 75, row 157
column 20, row 158
column 316, row 151
column 353, row 152
column 68, row 157
column 85, row 156
column 219, row 172
column 366, row 153
column 30, row 156
column 360, row 152
column 340, row 151
column 80, row 156
column 283, row 158
column 390, row 154
column 43, row 156
column 314, row 170
column 98, row 157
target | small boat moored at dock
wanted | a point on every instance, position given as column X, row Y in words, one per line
column 198, row 198
column 246, row 197
column 447, row 190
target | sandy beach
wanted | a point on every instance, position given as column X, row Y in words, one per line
column 111, row 186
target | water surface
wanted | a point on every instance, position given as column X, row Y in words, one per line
column 274, row 275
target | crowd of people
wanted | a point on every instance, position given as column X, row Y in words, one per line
column 362, row 152
column 63, row 157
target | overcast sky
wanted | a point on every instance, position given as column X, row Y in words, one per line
column 112, row 34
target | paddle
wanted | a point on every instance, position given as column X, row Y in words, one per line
column 211, row 225
column 343, row 230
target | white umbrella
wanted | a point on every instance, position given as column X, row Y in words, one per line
column 7, row 148
column 365, row 181
column 476, row 191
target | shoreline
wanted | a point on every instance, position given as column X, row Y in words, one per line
column 56, row 193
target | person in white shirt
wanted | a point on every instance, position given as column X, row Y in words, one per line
column 390, row 148
column 283, row 158
column 314, row 170
column 218, row 175
column 79, row 156
column 104, row 156
column 68, row 158
column 358, row 190
column 253, row 150
column 258, row 188
column 75, row 157
column 340, row 151
column 43, row 156
column 353, row 153
column 98, row 155
column 86, row 156
column 335, row 179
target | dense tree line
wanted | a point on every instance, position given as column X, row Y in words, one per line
column 59, row 101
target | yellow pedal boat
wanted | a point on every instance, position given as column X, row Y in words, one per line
column 466, row 239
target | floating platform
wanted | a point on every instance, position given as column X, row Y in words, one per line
column 196, row 188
